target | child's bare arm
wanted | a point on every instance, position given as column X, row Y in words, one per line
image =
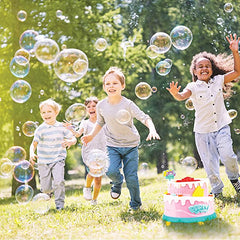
column 152, row 131
column 180, row 96
column 88, row 138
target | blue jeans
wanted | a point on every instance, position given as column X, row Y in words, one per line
column 213, row 147
column 128, row 156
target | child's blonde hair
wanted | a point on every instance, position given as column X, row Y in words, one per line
column 117, row 72
column 56, row 107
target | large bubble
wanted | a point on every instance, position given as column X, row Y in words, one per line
column 143, row 90
column 19, row 66
column 123, row 116
column 162, row 41
column 189, row 164
column 24, row 194
column 16, row 154
column 46, row 50
column 28, row 128
column 181, row 37
column 28, row 39
column 64, row 65
column 97, row 162
column 6, row 168
column 20, row 91
column 76, row 113
column 40, row 203
column 101, row 44
column 163, row 68
column 22, row 52
column 23, row 171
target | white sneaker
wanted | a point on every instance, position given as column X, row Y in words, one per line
column 115, row 195
column 87, row 193
column 94, row 202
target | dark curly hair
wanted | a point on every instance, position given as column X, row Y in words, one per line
column 221, row 64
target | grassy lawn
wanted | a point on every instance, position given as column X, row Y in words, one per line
column 110, row 219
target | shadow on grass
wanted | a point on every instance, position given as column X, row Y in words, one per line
column 140, row 215
column 214, row 228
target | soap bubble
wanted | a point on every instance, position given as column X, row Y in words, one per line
column 80, row 66
column 163, row 68
column 97, row 162
column 46, row 50
column 24, row 194
column 101, row 44
column 232, row 113
column 76, row 113
column 220, row 21
column 143, row 90
column 19, row 66
column 16, row 154
column 24, row 53
column 237, row 131
column 181, row 37
column 189, row 104
column 228, row 7
column 40, row 203
column 59, row 13
column 154, row 89
column 21, row 16
column 152, row 51
column 6, row 168
column 123, row 116
column 28, row 128
column 20, row 91
column 169, row 61
column 162, row 41
column 189, row 164
column 28, row 39
column 64, row 63
column 144, row 168
column 23, row 171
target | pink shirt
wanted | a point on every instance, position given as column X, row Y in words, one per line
column 210, row 111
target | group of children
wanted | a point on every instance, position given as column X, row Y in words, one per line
column 103, row 131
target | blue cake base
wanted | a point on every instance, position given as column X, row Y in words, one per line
column 189, row 220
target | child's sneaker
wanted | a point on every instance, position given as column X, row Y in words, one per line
column 87, row 193
column 94, row 202
column 236, row 185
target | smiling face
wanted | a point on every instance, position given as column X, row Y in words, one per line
column 112, row 85
column 203, row 69
column 91, row 109
column 48, row 114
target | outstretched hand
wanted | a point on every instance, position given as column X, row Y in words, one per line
column 174, row 88
column 233, row 42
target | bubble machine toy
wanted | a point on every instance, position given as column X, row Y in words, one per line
column 187, row 200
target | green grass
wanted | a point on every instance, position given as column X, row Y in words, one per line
column 110, row 219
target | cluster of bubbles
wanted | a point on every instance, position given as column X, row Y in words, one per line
column 69, row 65
column 160, row 43
column 14, row 164
column 97, row 163
column 228, row 8
column 143, row 90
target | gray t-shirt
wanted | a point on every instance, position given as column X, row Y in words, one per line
column 120, row 131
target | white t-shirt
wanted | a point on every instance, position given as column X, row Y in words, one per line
column 210, row 111
column 98, row 142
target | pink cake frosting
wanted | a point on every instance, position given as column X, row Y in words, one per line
column 187, row 188
column 187, row 200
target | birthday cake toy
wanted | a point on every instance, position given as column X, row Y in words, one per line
column 187, row 201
